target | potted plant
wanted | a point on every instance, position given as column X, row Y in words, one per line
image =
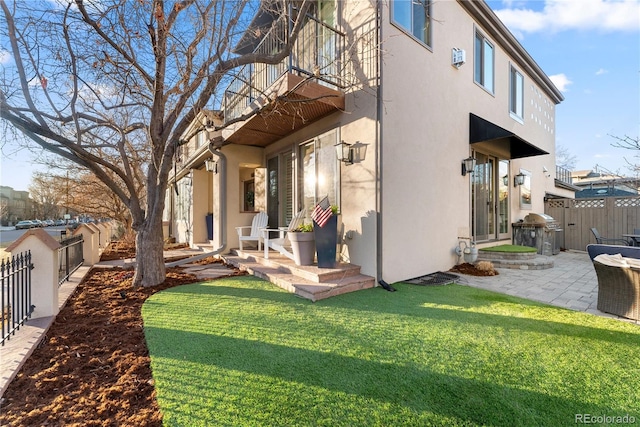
column 327, row 239
column 303, row 244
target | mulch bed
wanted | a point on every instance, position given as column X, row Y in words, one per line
column 93, row 367
column 472, row 270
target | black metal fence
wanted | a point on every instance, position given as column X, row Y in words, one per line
column 70, row 257
column 15, row 295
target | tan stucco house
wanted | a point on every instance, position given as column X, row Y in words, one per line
column 412, row 89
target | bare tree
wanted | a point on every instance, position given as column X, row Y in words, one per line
column 77, row 192
column 102, row 82
column 633, row 144
column 564, row 158
column 45, row 195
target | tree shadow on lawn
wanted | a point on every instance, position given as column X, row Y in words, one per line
column 437, row 303
column 292, row 380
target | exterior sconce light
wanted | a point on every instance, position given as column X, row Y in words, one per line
column 211, row 166
column 518, row 179
column 505, row 180
column 344, row 152
column 468, row 165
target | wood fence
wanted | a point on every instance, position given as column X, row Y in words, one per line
column 611, row 216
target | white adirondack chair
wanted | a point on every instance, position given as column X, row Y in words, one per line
column 258, row 223
column 281, row 243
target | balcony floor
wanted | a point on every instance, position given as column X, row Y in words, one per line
column 293, row 103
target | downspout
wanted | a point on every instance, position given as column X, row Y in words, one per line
column 222, row 210
column 379, row 145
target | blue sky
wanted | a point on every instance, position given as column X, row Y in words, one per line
column 591, row 51
column 589, row 48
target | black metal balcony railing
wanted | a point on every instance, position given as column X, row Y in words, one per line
column 317, row 52
column 563, row 175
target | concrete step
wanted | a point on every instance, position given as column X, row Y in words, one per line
column 311, row 273
column 488, row 255
column 539, row 262
column 301, row 286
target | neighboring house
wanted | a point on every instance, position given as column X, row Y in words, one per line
column 14, row 205
column 414, row 88
column 603, row 184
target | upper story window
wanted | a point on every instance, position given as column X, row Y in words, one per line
column 414, row 16
column 484, row 58
column 201, row 138
column 516, row 93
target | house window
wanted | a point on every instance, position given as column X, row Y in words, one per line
column 525, row 190
column 201, row 138
column 484, row 57
column 320, row 171
column 414, row 16
column 516, row 93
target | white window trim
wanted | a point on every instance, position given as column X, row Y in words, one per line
column 477, row 32
column 399, row 26
column 513, row 114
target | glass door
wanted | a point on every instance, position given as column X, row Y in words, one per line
column 280, row 189
column 503, row 199
column 490, row 198
column 482, row 198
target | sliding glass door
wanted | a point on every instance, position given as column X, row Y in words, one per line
column 490, row 198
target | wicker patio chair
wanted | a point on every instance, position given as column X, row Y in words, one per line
column 618, row 288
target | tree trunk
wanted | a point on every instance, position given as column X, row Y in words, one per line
column 150, row 269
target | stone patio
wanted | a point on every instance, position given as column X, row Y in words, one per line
column 571, row 283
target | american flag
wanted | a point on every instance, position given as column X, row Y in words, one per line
column 322, row 212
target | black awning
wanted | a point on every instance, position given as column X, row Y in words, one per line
column 481, row 130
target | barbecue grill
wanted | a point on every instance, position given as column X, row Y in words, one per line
column 538, row 231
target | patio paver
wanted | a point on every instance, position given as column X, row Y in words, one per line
column 571, row 283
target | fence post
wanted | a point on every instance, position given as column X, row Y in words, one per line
column 99, row 235
column 104, row 234
column 90, row 244
column 44, row 277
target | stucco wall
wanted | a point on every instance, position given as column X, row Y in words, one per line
column 425, row 136
column 236, row 156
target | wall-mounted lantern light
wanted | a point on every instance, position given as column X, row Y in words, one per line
column 518, row 179
column 344, row 152
column 211, row 166
column 468, row 165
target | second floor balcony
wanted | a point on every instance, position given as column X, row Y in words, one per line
column 281, row 98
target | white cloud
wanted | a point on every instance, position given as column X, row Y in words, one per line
column 560, row 15
column 601, row 71
column 5, row 57
column 561, row 81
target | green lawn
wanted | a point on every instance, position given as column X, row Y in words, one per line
column 240, row 351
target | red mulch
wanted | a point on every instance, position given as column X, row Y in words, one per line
column 472, row 270
column 118, row 250
column 93, row 367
